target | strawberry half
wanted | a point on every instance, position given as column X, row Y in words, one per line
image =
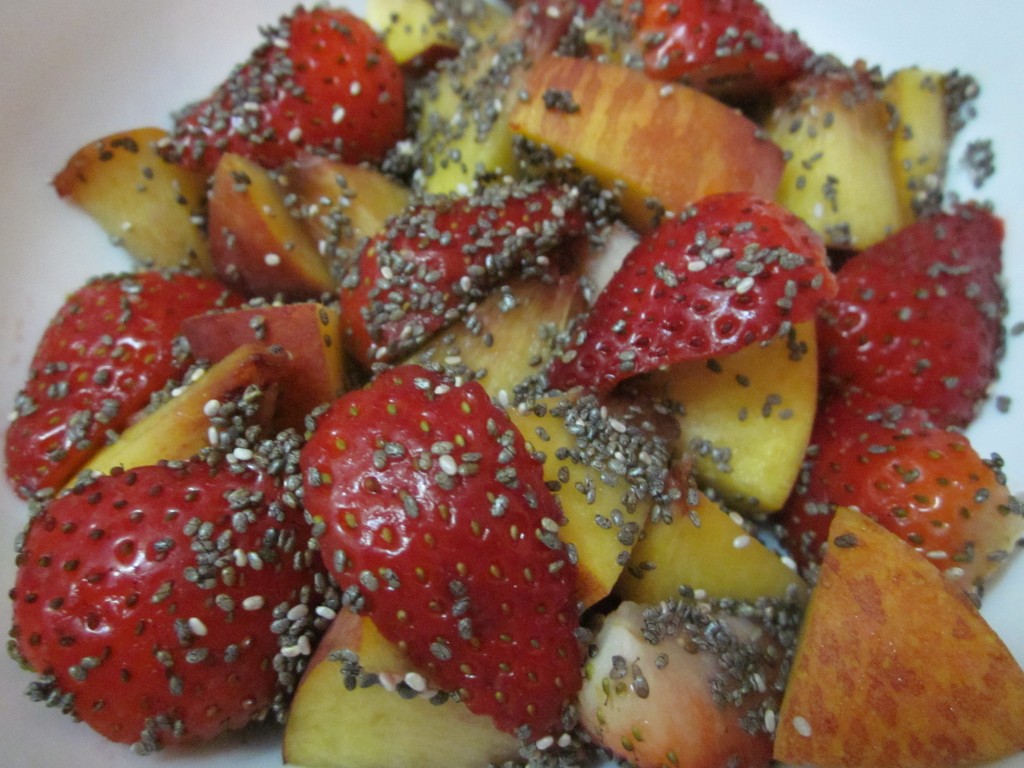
column 437, row 515
column 918, row 317
column 730, row 271
column 321, row 81
column 145, row 600
column 731, row 48
column 435, row 260
column 109, row 347
column 924, row 483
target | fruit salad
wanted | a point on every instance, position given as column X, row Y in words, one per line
column 333, row 502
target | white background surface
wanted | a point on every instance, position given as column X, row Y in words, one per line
column 72, row 72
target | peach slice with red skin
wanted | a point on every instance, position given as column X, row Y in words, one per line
column 894, row 665
column 309, row 335
column 682, row 685
column 154, row 209
column 673, row 146
column 258, row 245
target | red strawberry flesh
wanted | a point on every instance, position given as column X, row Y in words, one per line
column 918, row 317
column 108, row 349
column 434, row 260
column 728, row 47
column 730, row 271
column 321, row 81
column 923, row 482
column 435, row 512
column 145, row 600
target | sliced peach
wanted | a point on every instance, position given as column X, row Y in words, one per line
column 672, row 146
column 921, row 138
column 310, row 335
column 179, row 428
column 837, row 133
column 509, row 336
column 154, row 209
column 745, row 419
column 692, row 697
column 258, row 245
column 894, row 665
column 605, row 507
column 414, row 29
column 707, row 549
column 341, row 204
column 333, row 726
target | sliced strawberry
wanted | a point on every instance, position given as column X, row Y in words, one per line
column 110, row 347
column 730, row 271
column 321, row 81
column 437, row 515
column 145, row 600
column 435, row 260
column 918, row 317
column 726, row 47
column 925, row 483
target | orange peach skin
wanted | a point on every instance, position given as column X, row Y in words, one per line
column 673, row 145
column 895, row 666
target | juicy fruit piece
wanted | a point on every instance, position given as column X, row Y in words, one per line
column 606, row 466
column 837, row 134
column 942, row 689
column 918, row 317
column 151, row 207
column 144, row 600
column 321, row 81
column 510, row 336
column 682, row 685
column 714, row 148
column 920, row 139
column 745, row 419
column 436, row 515
column 340, row 204
column 730, row 271
column 179, row 428
column 731, row 48
column 702, row 547
column 924, row 483
column 436, row 259
column 348, row 712
column 308, row 336
column 109, row 347
column 257, row 245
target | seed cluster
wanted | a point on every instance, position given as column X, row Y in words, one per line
column 618, row 447
column 748, row 667
column 480, row 78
